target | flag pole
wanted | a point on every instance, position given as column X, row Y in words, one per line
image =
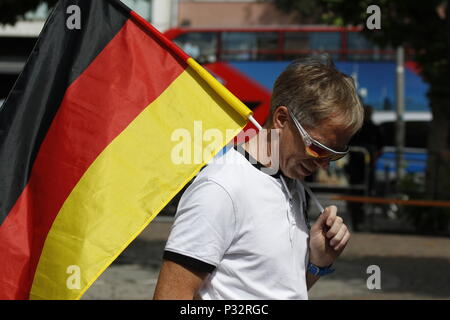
column 308, row 189
column 255, row 123
column 219, row 88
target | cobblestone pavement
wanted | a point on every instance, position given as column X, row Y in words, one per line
column 412, row 267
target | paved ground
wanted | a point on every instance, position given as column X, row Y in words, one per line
column 412, row 267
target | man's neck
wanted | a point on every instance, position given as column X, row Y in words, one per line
column 254, row 148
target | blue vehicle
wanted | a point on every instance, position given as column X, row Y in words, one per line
column 417, row 126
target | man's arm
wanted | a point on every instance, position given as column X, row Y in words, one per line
column 203, row 229
column 177, row 282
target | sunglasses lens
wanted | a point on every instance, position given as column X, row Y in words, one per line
column 314, row 149
column 319, row 152
column 311, row 152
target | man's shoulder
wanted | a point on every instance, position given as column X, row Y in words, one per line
column 229, row 168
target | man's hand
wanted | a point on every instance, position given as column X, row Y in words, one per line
column 328, row 238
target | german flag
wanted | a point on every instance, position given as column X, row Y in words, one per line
column 86, row 145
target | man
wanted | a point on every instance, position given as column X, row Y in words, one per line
column 241, row 233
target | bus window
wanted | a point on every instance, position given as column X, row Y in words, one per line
column 361, row 49
column 299, row 44
column 244, row 46
column 202, row 46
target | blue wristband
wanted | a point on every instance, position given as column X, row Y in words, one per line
column 318, row 271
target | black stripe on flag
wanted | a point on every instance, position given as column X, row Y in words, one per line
column 58, row 58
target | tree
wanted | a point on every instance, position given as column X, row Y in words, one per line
column 423, row 26
column 13, row 10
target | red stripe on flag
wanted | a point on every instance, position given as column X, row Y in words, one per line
column 130, row 73
column 158, row 35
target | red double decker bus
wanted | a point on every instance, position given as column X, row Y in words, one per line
column 248, row 60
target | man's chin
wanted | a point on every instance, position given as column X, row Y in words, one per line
column 302, row 172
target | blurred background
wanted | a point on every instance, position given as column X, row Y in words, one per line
column 394, row 187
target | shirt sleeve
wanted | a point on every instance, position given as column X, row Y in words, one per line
column 204, row 223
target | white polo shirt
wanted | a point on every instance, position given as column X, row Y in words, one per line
column 237, row 222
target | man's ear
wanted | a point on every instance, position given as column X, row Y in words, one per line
column 280, row 117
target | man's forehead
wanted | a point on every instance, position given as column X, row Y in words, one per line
column 331, row 132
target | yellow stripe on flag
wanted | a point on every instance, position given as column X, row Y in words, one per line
column 230, row 98
column 129, row 183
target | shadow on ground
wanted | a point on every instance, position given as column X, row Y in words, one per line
column 412, row 276
column 147, row 254
column 421, row 276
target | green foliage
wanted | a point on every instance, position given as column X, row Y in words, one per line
column 306, row 7
column 426, row 220
column 412, row 186
column 421, row 25
column 13, row 10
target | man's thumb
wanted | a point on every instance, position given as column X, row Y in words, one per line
column 321, row 220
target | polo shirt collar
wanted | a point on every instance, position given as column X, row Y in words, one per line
column 258, row 165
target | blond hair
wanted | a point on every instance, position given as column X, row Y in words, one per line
column 314, row 90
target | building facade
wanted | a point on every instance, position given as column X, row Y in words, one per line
column 16, row 42
column 250, row 13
